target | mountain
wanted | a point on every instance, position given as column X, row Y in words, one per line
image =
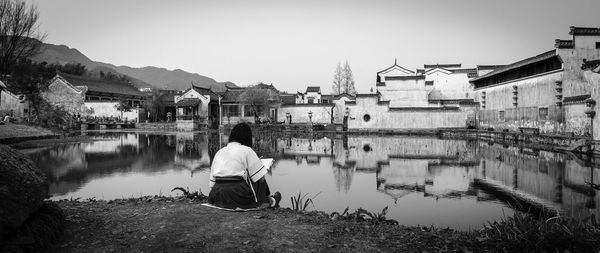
column 140, row 77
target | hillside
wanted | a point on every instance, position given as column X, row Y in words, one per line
column 141, row 77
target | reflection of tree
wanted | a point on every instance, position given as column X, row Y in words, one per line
column 343, row 175
column 192, row 151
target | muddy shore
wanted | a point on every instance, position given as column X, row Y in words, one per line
column 160, row 224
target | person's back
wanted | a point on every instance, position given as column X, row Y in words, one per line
column 237, row 174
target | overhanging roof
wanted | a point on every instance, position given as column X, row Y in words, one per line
column 521, row 63
column 188, row 102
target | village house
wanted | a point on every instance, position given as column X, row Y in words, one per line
column 312, row 107
column 13, row 104
column 591, row 74
column 91, row 97
column 546, row 92
column 197, row 108
column 437, row 96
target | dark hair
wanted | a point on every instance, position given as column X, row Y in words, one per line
column 241, row 133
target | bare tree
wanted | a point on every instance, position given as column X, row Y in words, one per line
column 260, row 98
column 348, row 80
column 338, row 78
column 19, row 36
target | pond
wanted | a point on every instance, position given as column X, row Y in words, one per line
column 422, row 180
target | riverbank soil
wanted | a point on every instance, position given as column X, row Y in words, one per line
column 180, row 225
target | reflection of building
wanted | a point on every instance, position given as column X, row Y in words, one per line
column 192, row 151
column 545, row 178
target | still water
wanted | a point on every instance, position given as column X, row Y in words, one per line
column 422, row 180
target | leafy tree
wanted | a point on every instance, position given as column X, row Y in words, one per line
column 338, row 79
column 19, row 37
column 260, row 98
column 154, row 105
column 123, row 106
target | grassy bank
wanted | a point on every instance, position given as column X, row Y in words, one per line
column 183, row 225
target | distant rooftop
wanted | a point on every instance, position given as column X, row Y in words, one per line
column 584, row 30
column 313, row 89
column 452, row 65
column 564, row 44
column 102, row 85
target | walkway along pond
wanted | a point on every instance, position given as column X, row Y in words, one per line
column 460, row 184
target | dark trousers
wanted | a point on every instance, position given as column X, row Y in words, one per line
column 235, row 192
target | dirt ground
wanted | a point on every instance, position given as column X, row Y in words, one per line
column 180, row 225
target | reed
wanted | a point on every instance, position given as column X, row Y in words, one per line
column 528, row 233
column 301, row 202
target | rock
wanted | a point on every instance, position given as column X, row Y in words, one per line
column 23, row 188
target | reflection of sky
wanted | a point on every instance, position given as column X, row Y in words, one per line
column 422, row 180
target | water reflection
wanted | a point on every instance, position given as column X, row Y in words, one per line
column 422, row 180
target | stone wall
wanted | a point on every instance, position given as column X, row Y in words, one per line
column 536, row 104
column 370, row 113
column 299, row 112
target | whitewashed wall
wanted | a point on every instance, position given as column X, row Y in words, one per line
column 108, row 109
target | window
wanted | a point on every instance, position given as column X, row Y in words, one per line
column 597, row 45
column 231, row 110
column 428, row 82
column 543, row 112
column 325, row 101
column 501, row 116
column 367, row 117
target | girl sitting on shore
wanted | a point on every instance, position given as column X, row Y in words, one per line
column 237, row 175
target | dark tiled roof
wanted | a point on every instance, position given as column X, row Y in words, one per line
column 489, row 67
column 584, row 31
column 330, row 97
column 563, row 43
column 395, row 65
column 420, row 71
column 232, row 95
column 313, row 89
column 463, row 70
column 103, row 86
column 423, row 109
column 452, row 65
column 206, row 92
column 188, row 102
column 288, row 99
column 404, row 77
column 530, row 60
column 590, row 64
column 344, row 95
column 472, row 75
column 574, row 99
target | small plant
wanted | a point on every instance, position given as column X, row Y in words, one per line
column 300, row 203
column 364, row 215
column 196, row 195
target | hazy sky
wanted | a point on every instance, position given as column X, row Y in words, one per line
column 293, row 44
